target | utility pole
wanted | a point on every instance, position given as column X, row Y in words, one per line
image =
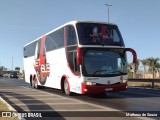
column 108, row 10
column 12, row 63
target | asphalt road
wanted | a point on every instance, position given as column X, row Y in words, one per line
column 51, row 102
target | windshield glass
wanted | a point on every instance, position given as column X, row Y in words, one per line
column 100, row 62
column 99, row 34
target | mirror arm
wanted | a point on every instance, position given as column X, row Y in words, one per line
column 133, row 53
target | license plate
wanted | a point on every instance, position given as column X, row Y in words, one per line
column 108, row 89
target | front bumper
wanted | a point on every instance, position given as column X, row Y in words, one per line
column 94, row 89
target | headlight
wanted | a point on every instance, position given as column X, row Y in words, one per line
column 89, row 83
column 123, row 80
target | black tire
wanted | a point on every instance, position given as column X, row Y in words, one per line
column 43, row 80
column 35, row 84
column 66, row 88
column 32, row 84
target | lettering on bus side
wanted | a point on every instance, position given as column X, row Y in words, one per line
column 41, row 66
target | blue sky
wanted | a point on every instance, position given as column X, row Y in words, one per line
column 22, row 21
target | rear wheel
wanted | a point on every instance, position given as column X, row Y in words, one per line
column 35, row 83
column 32, row 84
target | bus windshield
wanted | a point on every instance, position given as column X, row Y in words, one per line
column 99, row 34
column 104, row 62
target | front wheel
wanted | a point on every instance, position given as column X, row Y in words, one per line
column 66, row 88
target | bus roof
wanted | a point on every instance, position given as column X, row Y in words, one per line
column 70, row 23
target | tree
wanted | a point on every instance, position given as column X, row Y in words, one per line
column 153, row 64
column 17, row 68
column 137, row 65
column 158, row 68
column 132, row 68
column 1, row 69
column 144, row 63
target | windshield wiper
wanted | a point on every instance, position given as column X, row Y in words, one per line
column 102, row 72
column 118, row 72
column 99, row 71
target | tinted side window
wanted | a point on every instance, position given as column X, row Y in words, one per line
column 71, row 35
column 50, row 43
column 114, row 35
column 71, row 46
column 55, row 40
column 37, row 49
column 29, row 50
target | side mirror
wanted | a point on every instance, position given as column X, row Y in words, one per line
column 134, row 56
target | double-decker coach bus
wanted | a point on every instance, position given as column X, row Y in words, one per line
column 78, row 57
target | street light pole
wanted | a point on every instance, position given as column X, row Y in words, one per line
column 12, row 63
column 108, row 10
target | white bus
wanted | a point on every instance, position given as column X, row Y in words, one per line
column 83, row 57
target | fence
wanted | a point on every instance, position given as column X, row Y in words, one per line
column 145, row 80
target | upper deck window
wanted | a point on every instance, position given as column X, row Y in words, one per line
column 70, row 35
column 99, row 34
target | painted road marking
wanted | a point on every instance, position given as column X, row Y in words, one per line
column 55, row 95
column 47, row 103
column 15, row 99
column 99, row 106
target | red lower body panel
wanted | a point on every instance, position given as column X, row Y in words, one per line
column 94, row 89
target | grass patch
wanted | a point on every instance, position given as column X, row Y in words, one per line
column 4, row 107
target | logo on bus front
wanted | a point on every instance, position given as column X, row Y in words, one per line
column 108, row 82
